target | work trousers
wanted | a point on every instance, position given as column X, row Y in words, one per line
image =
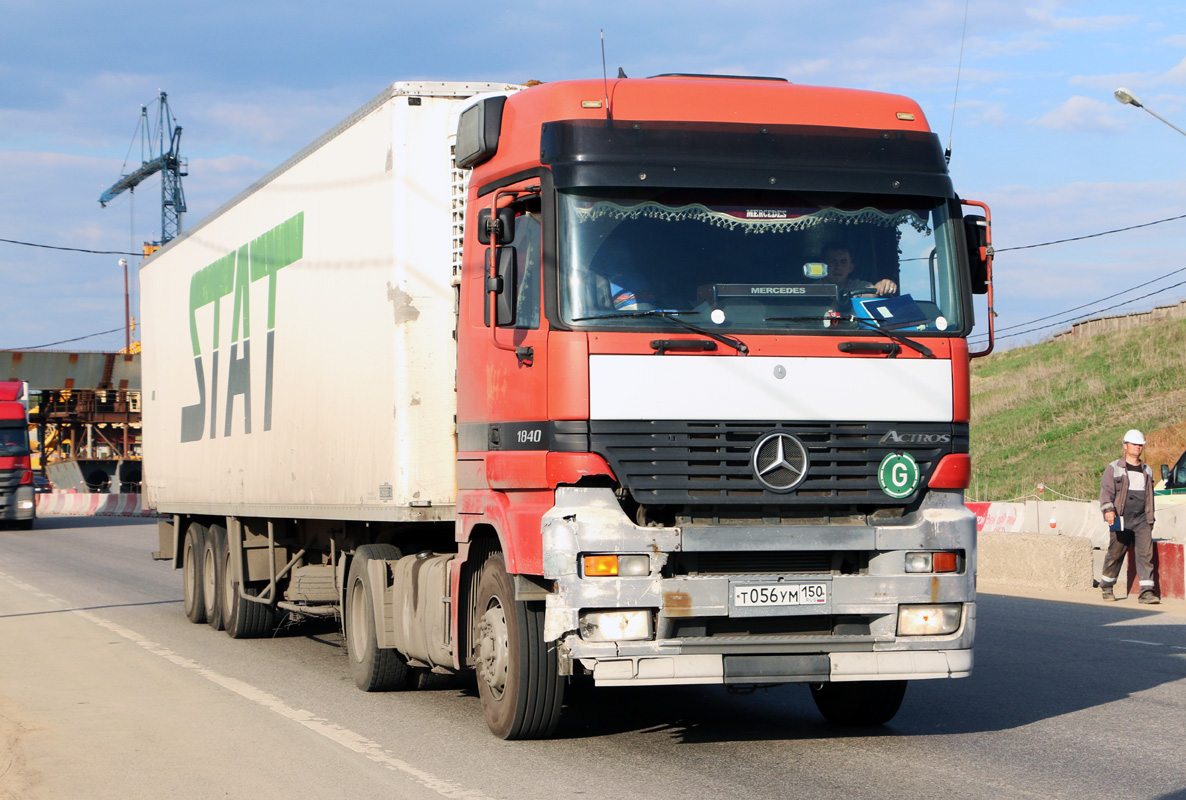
column 1138, row 532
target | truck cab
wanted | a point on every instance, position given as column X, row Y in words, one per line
column 712, row 344
column 18, row 505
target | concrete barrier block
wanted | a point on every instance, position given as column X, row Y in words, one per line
column 1035, row 561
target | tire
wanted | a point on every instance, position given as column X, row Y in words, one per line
column 518, row 679
column 242, row 618
column 26, row 524
column 859, row 702
column 213, row 575
column 191, row 571
column 373, row 670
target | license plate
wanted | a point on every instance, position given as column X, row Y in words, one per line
column 780, row 594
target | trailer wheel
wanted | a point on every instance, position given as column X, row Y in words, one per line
column 212, row 574
column 373, row 669
column 191, row 570
column 859, row 702
column 517, row 670
column 244, row 619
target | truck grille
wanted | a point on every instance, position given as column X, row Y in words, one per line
column 708, row 463
column 790, row 562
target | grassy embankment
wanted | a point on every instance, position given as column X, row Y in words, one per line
column 1055, row 413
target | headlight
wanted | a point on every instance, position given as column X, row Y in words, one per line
column 932, row 562
column 936, row 620
column 615, row 626
column 615, row 565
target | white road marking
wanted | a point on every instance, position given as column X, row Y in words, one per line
column 1138, row 641
column 335, row 733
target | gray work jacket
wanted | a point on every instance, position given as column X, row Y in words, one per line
column 1114, row 488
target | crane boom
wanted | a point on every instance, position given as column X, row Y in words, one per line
column 168, row 163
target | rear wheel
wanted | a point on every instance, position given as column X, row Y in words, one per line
column 859, row 702
column 213, row 566
column 191, row 570
column 373, row 670
column 517, row 670
column 243, row 618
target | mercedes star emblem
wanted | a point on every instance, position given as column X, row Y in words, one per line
column 779, row 461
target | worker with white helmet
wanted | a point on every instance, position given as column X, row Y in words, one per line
column 1126, row 499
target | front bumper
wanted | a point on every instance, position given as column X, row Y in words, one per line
column 17, row 504
column 702, row 636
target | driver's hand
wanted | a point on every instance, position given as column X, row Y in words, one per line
column 885, row 287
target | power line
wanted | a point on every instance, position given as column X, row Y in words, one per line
column 71, row 249
column 1090, row 235
column 1093, row 302
column 1081, row 317
column 67, row 341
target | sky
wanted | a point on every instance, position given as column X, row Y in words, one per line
column 1023, row 90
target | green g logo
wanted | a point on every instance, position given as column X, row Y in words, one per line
column 898, row 475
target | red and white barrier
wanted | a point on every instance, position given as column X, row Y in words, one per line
column 999, row 517
column 91, row 505
column 1169, row 574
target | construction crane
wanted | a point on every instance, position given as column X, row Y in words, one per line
column 158, row 159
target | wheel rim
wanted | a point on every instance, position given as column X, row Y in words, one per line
column 228, row 589
column 191, row 578
column 208, row 568
column 357, row 634
column 493, row 648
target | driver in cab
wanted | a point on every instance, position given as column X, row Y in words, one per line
column 840, row 266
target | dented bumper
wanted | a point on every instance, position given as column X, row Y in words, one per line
column 700, row 630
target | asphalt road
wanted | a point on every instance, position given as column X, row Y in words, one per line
column 106, row 691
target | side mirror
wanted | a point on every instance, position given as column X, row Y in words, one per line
column 1165, row 473
column 500, row 279
column 976, row 234
column 505, row 222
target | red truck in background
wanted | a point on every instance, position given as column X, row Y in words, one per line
column 18, row 505
column 649, row 382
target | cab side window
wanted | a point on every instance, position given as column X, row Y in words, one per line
column 527, row 244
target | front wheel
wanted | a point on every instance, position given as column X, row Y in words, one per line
column 859, row 702
column 518, row 679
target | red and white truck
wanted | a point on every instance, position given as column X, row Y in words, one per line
column 18, row 505
column 643, row 381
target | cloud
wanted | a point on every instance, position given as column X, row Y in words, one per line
column 1081, row 24
column 1080, row 114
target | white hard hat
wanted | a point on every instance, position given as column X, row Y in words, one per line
column 1134, row 437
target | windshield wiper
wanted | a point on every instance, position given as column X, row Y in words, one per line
column 736, row 344
column 897, row 337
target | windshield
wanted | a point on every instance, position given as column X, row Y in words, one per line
column 741, row 261
column 14, row 440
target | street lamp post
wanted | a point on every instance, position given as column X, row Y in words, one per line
column 1125, row 97
column 123, row 262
